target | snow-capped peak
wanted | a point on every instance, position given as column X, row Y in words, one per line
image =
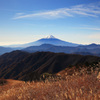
column 49, row 37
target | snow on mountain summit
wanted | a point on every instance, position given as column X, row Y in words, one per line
column 48, row 40
column 49, row 37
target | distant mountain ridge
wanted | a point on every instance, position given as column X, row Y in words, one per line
column 53, row 44
column 82, row 49
column 90, row 46
column 5, row 49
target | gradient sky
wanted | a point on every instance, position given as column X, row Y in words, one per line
column 23, row 21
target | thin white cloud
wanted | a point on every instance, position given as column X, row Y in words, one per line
column 47, row 14
column 19, row 14
column 92, row 10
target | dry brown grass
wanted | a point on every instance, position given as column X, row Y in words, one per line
column 75, row 87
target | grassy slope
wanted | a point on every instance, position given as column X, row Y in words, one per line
column 75, row 87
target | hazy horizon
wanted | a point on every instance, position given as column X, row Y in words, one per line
column 24, row 21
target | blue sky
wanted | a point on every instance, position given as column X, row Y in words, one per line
column 23, row 21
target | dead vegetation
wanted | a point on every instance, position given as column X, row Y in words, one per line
column 78, row 86
column 2, row 82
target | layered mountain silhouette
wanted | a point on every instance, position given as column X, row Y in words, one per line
column 90, row 46
column 5, row 50
column 92, row 49
column 20, row 65
column 52, row 44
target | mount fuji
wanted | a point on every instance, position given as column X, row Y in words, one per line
column 48, row 40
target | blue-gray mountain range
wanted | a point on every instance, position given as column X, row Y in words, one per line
column 52, row 44
column 91, row 49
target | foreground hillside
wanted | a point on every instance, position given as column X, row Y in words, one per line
column 26, row 66
column 76, row 87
